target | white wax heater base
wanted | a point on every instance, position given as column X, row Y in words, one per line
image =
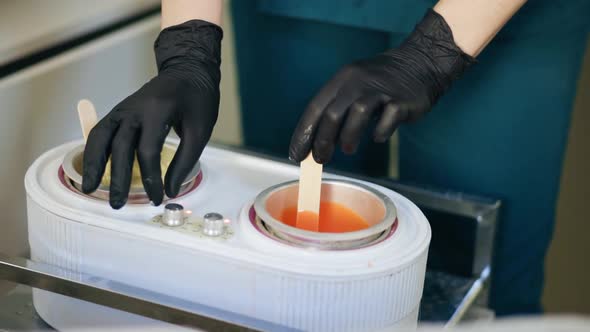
column 247, row 270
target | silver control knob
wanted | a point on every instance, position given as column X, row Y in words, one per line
column 173, row 215
column 213, row 224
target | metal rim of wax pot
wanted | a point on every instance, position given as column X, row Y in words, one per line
column 327, row 241
column 102, row 193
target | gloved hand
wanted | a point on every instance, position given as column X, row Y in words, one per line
column 396, row 86
column 184, row 96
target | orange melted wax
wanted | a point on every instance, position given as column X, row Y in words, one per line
column 334, row 218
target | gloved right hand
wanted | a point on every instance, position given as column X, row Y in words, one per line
column 184, row 96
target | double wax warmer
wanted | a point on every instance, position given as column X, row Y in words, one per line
column 221, row 243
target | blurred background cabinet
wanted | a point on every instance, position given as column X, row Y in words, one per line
column 39, row 91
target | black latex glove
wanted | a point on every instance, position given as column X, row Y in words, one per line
column 396, row 86
column 184, row 96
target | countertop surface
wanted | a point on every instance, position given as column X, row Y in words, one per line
column 28, row 26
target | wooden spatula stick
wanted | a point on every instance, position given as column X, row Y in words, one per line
column 87, row 115
column 310, row 187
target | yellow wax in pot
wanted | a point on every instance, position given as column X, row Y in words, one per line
column 166, row 158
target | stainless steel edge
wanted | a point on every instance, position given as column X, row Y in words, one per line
column 127, row 298
column 473, row 293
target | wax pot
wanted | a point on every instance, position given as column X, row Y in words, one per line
column 371, row 205
column 71, row 174
column 226, row 249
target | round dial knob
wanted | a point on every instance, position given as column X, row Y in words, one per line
column 213, row 224
column 173, row 215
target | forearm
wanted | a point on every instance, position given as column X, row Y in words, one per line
column 474, row 23
column 175, row 12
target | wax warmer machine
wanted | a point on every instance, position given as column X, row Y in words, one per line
column 220, row 243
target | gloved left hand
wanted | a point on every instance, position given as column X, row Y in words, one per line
column 395, row 86
column 184, row 96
